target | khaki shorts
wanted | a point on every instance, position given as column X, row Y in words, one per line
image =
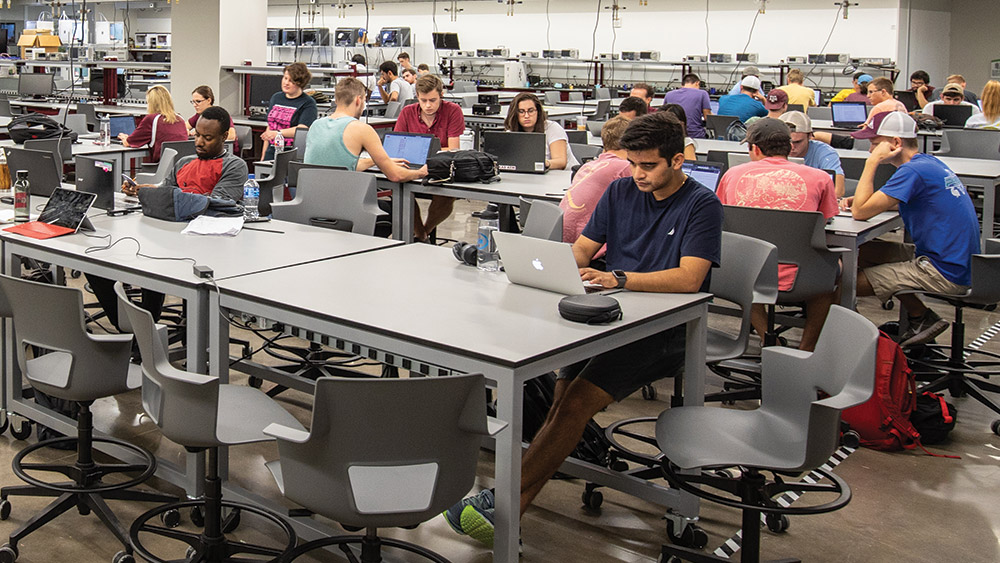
column 909, row 273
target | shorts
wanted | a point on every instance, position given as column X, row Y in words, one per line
column 908, row 272
column 622, row 371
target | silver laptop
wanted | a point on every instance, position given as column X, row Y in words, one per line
column 540, row 263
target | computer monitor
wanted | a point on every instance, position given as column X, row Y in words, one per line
column 445, row 40
column 96, row 84
column 316, row 36
column 704, row 172
column 291, row 37
column 262, row 87
column 817, row 97
column 35, row 85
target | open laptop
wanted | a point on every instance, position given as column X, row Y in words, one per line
column 516, row 151
column 908, row 99
column 44, row 173
column 121, row 124
column 65, row 213
column 414, row 147
column 704, row 172
column 848, row 115
column 953, row 116
column 796, row 107
column 577, row 137
column 99, row 176
column 540, row 263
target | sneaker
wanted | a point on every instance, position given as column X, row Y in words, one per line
column 478, row 524
column 925, row 329
column 483, row 501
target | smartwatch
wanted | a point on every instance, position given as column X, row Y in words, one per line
column 620, row 277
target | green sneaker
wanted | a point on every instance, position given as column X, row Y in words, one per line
column 478, row 524
column 482, row 501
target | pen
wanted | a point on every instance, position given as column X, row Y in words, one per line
column 263, row 230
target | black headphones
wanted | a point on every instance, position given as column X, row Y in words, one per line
column 465, row 252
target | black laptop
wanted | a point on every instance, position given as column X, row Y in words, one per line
column 121, row 124
column 953, row 116
column 516, row 151
column 848, row 115
column 908, row 99
column 97, row 175
column 44, row 174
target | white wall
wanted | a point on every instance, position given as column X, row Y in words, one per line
column 973, row 40
column 923, row 44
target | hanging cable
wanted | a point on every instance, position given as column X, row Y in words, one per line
column 745, row 47
column 822, row 49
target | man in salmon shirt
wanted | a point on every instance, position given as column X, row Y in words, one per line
column 214, row 171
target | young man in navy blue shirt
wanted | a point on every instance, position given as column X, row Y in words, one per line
column 663, row 232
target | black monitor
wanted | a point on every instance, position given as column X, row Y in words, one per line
column 291, row 37
column 445, row 40
column 315, row 36
column 262, row 87
column 96, row 85
column 388, row 38
column 273, row 36
column 36, row 85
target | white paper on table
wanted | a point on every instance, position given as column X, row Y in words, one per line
column 218, row 226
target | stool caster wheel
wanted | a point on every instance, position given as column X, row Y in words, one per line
column 692, row 536
column 198, row 517
column 8, row 553
column 851, row 439
column 255, row 382
column 777, row 523
column 995, row 427
column 889, row 305
column 351, row 528
column 4, row 509
column 21, row 432
column 231, row 522
column 171, row 518
column 649, row 392
column 190, row 553
column 592, row 499
column 75, row 274
column 122, row 557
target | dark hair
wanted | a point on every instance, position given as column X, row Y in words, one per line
column 423, row 66
column 678, row 112
column 631, row 103
column 389, row 67
column 882, row 83
column 429, row 83
column 643, row 86
column 359, row 59
column 661, row 130
column 205, row 92
column 775, row 146
column 921, row 75
column 403, row 55
column 299, row 74
column 219, row 115
column 690, row 78
column 511, row 123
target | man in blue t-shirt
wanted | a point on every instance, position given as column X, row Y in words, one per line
column 663, row 232
column 816, row 154
column 748, row 103
column 937, row 213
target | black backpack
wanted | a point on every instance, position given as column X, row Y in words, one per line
column 37, row 126
column 462, row 166
column 933, row 417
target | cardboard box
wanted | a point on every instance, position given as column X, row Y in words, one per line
column 33, row 38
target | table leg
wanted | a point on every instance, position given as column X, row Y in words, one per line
column 406, row 207
column 508, row 470
column 849, row 277
column 989, row 209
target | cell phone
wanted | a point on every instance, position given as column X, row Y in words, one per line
column 130, row 181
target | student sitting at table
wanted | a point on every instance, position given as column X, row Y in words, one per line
column 203, row 98
column 161, row 124
column 339, row 139
column 632, row 107
column 663, row 232
column 527, row 114
column 290, row 109
column 212, row 171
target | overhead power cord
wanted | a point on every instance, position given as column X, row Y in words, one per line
column 745, row 47
column 822, row 49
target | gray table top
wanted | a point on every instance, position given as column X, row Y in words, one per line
column 552, row 111
column 125, row 109
column 88, row 147
column 249, row 252
column 846, row 225
column 419, row 293
column 550, row 186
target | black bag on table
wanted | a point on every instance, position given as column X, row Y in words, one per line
column 37, row 126
column 461, row 166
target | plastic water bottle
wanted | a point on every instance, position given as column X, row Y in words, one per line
column 21, row 213
column 487, row 257
column 279, row 143
column 251, row 196
column 106, row 132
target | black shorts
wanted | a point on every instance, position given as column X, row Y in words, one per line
column 620, row 372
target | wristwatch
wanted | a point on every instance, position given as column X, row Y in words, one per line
column 620, row 277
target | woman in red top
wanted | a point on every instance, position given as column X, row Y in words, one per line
column 160, row 124
column 201, row 98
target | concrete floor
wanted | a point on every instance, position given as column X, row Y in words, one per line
column 906, row 506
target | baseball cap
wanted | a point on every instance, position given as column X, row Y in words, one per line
column 865, row 78
column 751, row 71
column 889, row 124
column 797, row 121
column 953, row 89
column 751, row 82
column 775, row 99
column 766, row 129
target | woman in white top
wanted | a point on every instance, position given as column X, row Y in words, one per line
column 527, row 115
column 990, row 117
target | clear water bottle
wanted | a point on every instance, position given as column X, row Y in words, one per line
column 251, row 196
column 106, row 132
column 487, row 257
column 21, row 198
column 279, row 143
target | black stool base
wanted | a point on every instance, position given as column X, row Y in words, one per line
column 370, row 548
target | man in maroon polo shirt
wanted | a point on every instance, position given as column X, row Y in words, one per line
column 445, row 121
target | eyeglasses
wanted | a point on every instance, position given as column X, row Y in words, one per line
column 196, row 102
column 529, row 111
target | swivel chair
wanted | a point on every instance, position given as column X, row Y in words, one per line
column 244, row 138
column 791, row 433
column 718, row 124
column 82, row 368
column 167, row 158
column 543, row 219
column 337, row 199
column 272, row 187
column 202, row 414
column 89, row 112
column 418, row 456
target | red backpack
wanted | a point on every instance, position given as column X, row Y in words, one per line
column 883, row 422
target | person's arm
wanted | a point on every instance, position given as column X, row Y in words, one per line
column 393, row 171
column 921, row 94
column 454, row 143
column 686, row 278
column 364, row 163
column 689, row 152
column 838, row 184
column 868, row 203
column 234, row 175
column 456, row 125
column 557, row 155
column 584, row 251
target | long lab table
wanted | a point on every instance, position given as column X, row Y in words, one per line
column 416, row 301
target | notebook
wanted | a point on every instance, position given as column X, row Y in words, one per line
column 540, row 263
column 516, row 151
column 413, row 147
column 848, row 115
column 704, row 172
column 65, row 213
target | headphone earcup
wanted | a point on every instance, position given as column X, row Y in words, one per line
column 465, row 252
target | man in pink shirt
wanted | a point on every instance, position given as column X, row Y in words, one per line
column 880, row 93
column 593, row 178
column 770, row 180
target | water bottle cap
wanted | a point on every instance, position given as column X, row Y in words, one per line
column 22, row 174
column 249, row 176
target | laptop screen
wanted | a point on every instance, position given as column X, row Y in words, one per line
column 849, row 112
column 121, row 124
column 705, row 173
column 66, row 208
column 413, row 148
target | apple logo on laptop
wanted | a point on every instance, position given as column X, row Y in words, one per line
column 537, row 263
